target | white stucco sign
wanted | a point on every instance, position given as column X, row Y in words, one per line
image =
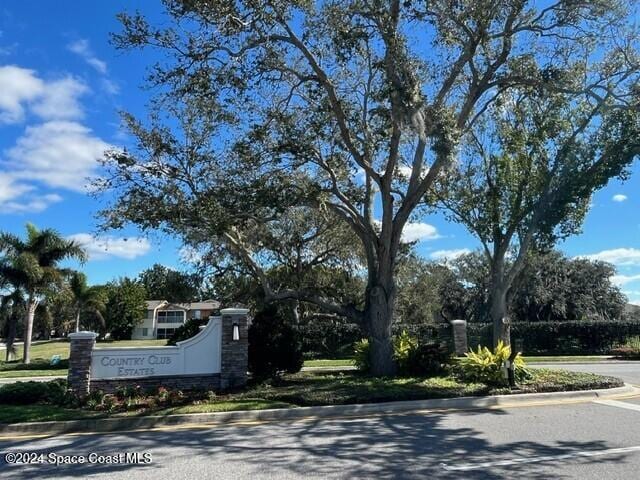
column 197, row 355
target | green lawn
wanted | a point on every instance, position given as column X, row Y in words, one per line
column 44, row 350
column 540, row 359
column 224, row 406
column 567, row 358
column 314, row 388
column 345, row 362
column 41, row 354
column 32, row 373
column 42, row 413
column 339, row 388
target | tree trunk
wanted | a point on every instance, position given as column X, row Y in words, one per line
column 499, row 309
column 32, row 304
column 78, row 320
column 500, row 315
column 11, row 337
column 378, row 318
column 295, row 311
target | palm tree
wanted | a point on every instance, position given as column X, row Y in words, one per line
column 86, row 298
column 32, row 266
column 11, row 307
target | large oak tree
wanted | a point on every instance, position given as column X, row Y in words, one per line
column 526, row 179
column 348, row 109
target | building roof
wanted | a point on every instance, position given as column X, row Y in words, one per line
column 153, row 304
column 206, row 305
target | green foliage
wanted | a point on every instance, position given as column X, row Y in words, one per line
column 274, row 345
column 529, row 173
column 25, row 393
column 555, row 287
column 32, row 265
column 485, row 366
column 428, row 359
column 551, row 286
column 189, row 329
column 404, row 350
column 89, row 303
column 630, row 349
column 584, row 337
column 329, row 338
column 163, row 283
column 237, row 200
column 362, row 355
column 125, row 307
column 31, row 269
column 412, row 356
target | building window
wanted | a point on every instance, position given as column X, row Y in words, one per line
column 171, row 316
column 164, row 333
column 196, row 314
column 145, row 332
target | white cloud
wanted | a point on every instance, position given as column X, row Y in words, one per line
column 32, row 204
column 102, row 247
column 60, row 152
column 14, row 199
column 621, row 280
column 57, row 153
column 617, row 256
column 110, row 86
column 10, row 189
column 619, row 198
column 21, row 88
column 17, row 86
column 60, row 100
column 83, row 49
column 413, row 232
column 449, row 254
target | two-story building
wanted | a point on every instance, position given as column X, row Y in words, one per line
column 163, row 318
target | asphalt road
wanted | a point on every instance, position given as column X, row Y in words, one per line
column 576, row 441
column 594, row 440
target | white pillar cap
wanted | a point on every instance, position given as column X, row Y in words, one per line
column 234, row 311
column 458, row 322
column 82, row 335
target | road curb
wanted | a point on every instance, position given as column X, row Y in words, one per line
column 15, row 430
column 597, row 362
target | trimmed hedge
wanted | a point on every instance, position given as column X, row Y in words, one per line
column 576, row 337
column 579, row 337
column 336, row 339
column 329, row 338
column 26, row 393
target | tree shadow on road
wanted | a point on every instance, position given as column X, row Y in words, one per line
column 417, row 445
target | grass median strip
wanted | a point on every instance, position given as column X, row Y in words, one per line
column 25, row 374
column 345, row 362
column 309, row 388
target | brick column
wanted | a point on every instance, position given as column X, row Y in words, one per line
column 459, row 328
column 234, row 353
column 79, row 376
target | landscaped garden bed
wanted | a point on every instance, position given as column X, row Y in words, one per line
column 290, row 391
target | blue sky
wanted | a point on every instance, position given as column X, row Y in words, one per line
column 61, row 86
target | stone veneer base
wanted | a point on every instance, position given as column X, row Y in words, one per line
column 181, row 382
